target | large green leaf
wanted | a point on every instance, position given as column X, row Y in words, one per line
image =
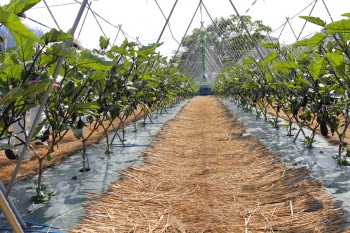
column 56, row 36
column 14, row 25
column 334, row 59
column 316, row 67
column 337, row 63
column 98, row 75
column 7, row 146
column 122, row 50
column 87, row 106
column 285, row 65
column 89, row 60
column 61, row 50
column 270, row 45
column 12, row 95
column 312, row 42
column 314, row 20
column 37, row 88
column 115, row 111
column 13, row 71
column 304, row 42
column 25, row 48
column 249, row 60
column 315, row 40
column 269, row 58
column 20, row 6
column 341, row 26
column 346, row 15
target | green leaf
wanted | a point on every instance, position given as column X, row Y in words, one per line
column 15, row 26
column 25, row 48
column 249, row 60
column 89, row 105
column 20, row 6
column 89, row 60
column 314, row 20
column 37, row 88
column 306, row 116
column 56, row 36
column 103, row 43
column 7, row 147
column 285, row 65
column 334, row 59
column 115, row 111
column 77, row 132
column 346, row 15
column 341, row 26
column 337, row 62
column 311, row 42
column 315, row 40
column 316, row 67
column 98, row 75
column 269, row 58
column 304, row 42
column 61, row 50
column 69, row 87
column 13, row 71
column 12, row 95
column 270, row 45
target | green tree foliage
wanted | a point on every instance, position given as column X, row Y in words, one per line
column 227, row 34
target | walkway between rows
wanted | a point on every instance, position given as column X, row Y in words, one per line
column 202, row 175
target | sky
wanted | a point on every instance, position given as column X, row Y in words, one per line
column 143, row 21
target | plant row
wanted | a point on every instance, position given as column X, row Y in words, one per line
column 94, row 87
column 308, row 81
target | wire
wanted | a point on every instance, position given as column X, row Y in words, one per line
column 53, row 17
column 38, row 23
column 325, row 5
column 58, row 5
column 295, row 15
column 251, row 6
column 82, row 25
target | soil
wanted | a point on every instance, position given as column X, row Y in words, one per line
column 69, row 146
column 202, row 175
column 331, row 138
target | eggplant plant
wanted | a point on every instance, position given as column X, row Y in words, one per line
column 310, row 85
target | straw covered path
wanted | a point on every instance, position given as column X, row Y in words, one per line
column 202, row 175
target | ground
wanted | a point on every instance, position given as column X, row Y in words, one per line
column 69, row 146
column 202, row 175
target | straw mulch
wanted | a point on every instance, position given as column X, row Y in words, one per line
column 202, row 175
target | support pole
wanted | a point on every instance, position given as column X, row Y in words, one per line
column 10, row 216
column 188, row 28
column 161, row 33
column 291, row 28
column 246, row 29
column 48, row 8
column 202, row 44
column 119, row 29
column 167, row 22
column 312, row 9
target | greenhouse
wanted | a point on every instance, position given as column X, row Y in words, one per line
column 174, row 116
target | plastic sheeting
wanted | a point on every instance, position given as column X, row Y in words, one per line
column 66, row 208
column 319, row 159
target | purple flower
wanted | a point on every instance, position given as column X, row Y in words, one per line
column 88, row 89
column 336, row 44
column 34, row 81
column 56, row 85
